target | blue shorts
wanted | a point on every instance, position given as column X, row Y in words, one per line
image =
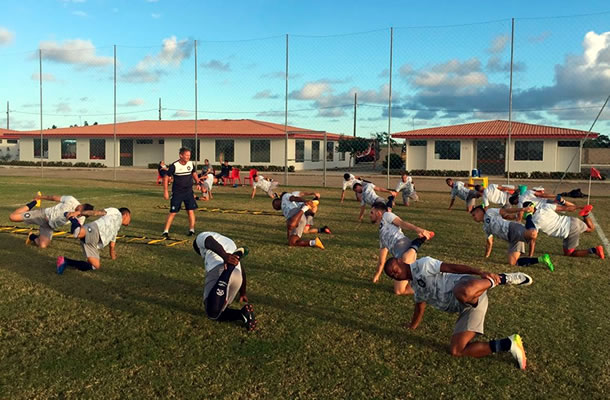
column 178, row 198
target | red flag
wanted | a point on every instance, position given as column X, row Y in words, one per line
column 595, row 174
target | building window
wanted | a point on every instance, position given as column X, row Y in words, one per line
column 190, row 144
column 144, row 141
column 260, row 150
column 341, row 156
column 315, row 151
column 225, row 150
column 447, row 149
column 330, row 151
column 529, row 150
column 299, row 150
column 68, row 149
column 97, row 149
column 161, row 141
column 417, row 143
column 45, row 148
column 11, row 141
column 568, row 143
column 0, row 140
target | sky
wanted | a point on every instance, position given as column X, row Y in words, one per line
column 450, row 62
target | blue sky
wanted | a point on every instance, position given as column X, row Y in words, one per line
column 449, row 61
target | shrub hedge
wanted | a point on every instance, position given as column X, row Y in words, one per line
column 54, row 164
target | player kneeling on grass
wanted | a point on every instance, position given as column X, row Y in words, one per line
column 514, row 233
column 206, row 183
column 392, row 239
column 370, row 197
column 224, row 278
column 48, row 219
column 348, row 182
column 458, row 189
column 299, row 214
column 406, row 187
column 95, row 236
column 454, row 288
column 266, row 185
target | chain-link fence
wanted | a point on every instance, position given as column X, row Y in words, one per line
column 508, row 99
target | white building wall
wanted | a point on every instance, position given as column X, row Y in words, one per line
column 465, row 163
column 565, row 155
column 416, row 157
column 549, row 161
column 10, row 150
column 144, row 154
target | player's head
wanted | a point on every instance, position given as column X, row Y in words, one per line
column 404, row 176
column 478, row 213
column 255, row 178
column 514, row 198
column 357, row 187
column 185, row 154
column 196, row 247
column 377, row 211
column 126, row 215
column 346, row 177
column 479, row 188
column 226, row 162
column 277, row 203
column 528, row 204
column 449, row 182
column 206, row 161
column 397, row 270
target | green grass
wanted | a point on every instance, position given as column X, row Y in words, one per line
column 137, row 328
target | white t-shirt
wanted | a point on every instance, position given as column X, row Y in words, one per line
column 389, row 233
column 406, row 186
column 529, row 195
column 495, row 225
column 433, row 286
column 109, row 226
column 350, row 182
column 548, row 221
column 492, row 194
column 459, row 190
column 209, row 180
column 368, row 194
column 55, row 214
column 287, row 205
column 211, row 259
column 262, row 183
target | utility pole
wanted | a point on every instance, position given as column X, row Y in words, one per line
column 7, row 117
column 159, row 108
column 355, row 111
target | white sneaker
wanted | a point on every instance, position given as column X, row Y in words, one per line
column 518, row 278
column 517, row 350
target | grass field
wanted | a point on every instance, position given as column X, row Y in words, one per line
column 137, row 328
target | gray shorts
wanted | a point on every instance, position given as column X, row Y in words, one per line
column 91, row 241
column 233, row 288
column 38, row 217
column 298, row 230
column 293, row 212
column 516, row 239
column 471, row 319
column 401, row 247
column 409, row 195
column 577, row 227
column 470, row 199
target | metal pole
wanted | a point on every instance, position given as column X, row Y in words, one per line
column 114, row 152
column 41, row 138
column 286, row 120
column 196, row 136
column 8, row 117
column 390, row 104
column 325, row 155
column 510, row 101
column 159, row 108
column 355, row 111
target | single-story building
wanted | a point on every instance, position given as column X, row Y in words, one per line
column 9, row 145
column 483, row 145
column 139, row 143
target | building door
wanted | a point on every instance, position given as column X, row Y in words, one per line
column 490, row 156
column 126, row 152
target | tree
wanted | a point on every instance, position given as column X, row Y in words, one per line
column 54, row 126
column 95, row 123
column 86, row 123
column 602, row 141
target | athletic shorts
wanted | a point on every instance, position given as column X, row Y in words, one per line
column 470, row 199
column 309, row 220
column 401, row 247
column 516, row 239
column 409, row 195
column 91, row 241
column 471, row 318
column 233, row 288
column 38, row 217
column 298, row 230
column 179, row 198
column 577, row 227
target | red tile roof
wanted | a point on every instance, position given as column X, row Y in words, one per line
column 246, row 128
column 8, row 134
column 493, row 130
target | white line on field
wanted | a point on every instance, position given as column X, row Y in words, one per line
column 601, row 234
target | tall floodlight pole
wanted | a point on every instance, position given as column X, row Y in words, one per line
column 8, row 117
column 510, row 101
column 196, row 136
column 159, row 108
column 390, row 104
column 286, row 119
column 115, row 153
column 41, row 141
column 355, row 111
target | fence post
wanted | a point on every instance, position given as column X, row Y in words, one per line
column 41, row 137
column 510, row 101
column 390, row 106
column 114, row 146
column 196, row 136
column 325, row 155
column 286, row 120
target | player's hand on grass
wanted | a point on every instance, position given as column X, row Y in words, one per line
column 376, row 278
column 411, row 326
column 488, row 275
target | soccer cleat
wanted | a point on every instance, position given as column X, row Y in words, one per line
column 517, row 350
column 325, row 229
column 586, row 210
column 559, row 200
column 61, row 265
column 242, row 252
column 247, row 313
column 518, row 278
column 431, row 234
column 599, row 250
column 190, row 233
column 165, row 235
column 30, row 239
column 38, row 200
column 546, row 260
column 319, row 244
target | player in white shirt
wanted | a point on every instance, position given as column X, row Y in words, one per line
column 266, row 185
column 513, row 232
column 392, row 240
column 206, row 184
column 495, row 194
column 406, row 187
column 458, row 189
column 348, row 183
column 48, row 219
column 225, row 276
column 370, row 197
column 299, row 217
column 94, row 236
column 461, row 289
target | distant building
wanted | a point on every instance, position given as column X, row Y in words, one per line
column 483, row 145
column 139, row 143
column 9, row 145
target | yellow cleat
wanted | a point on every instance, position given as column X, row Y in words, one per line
column 319, row 244
column 38, row 200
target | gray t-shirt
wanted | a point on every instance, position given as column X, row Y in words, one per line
column 389, row 233
column 368, row 194
column 55, row 214
column 495, row 225
column 287, row 205
column 406, row 186
column 432, row 286
column 109, row 226
column 459, row 190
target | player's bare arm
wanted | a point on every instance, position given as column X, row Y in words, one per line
column 418, row 315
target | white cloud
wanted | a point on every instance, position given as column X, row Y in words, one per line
column 540, row 38
column 152, row 67
column 498, row 44
column 217, row 65
column 80, row 13
column 63, row 108
column 265, row 94
column 311, row 91
column 182, row 114
column 45, row 77
column 155, row 15
column 74, row 51
column 6, row 36
column 133, row 103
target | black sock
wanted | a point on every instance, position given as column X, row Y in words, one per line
column 79, row 265
column 529, row 224
column 523, row 261
column 230, row 314
column 74, row 224
column 32, row 237
column 498, row 345
column 502, row 279
column 390, row 202
column 592, row 250
column 31, row 204
column 416, row 244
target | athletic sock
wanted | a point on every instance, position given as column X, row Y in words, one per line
column 523, row 261
column 529, row 224
column 304, row 209
column 502, row 279
column 416, row 244
column 79, row 265
column 312, row 243
column 74, row 227
column 499, row 345
column 32, row 237
column 31, row 204
column 492, row 282
column 592, row 250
